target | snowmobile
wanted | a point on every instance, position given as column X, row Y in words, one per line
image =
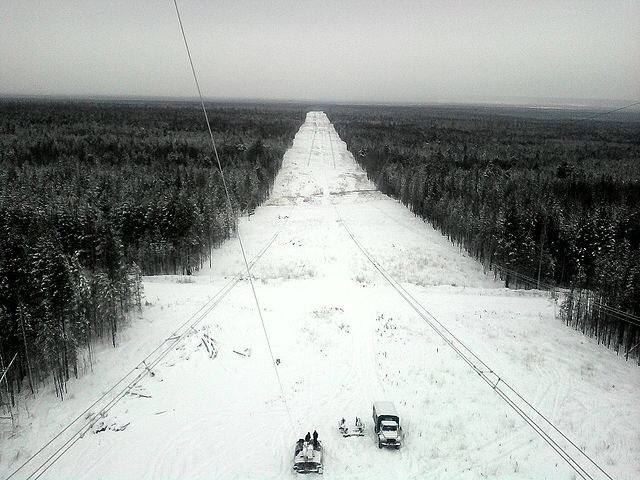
column 357, row 430
column 307, row 457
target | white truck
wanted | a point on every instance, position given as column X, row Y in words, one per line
column 386, row 425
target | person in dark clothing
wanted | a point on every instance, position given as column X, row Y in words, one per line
column 315, row 439
column 307, row 437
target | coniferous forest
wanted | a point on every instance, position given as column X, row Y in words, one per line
column 95, row 194
column 543, row 198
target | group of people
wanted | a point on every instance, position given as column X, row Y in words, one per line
column 305, row 442
column 307, row 438
column 359, row 426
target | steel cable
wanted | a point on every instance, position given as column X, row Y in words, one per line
column 230, row 210
column 425, row 314
column 175, row 338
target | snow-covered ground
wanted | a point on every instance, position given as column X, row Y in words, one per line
column 343, row 338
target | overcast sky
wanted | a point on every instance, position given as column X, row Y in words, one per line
column 346, row 50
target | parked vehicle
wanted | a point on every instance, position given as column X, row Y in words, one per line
column 307, row 457
column 386, row 425
column 355, row 430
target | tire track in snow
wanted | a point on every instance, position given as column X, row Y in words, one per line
column 366, row 383
column 325, row 400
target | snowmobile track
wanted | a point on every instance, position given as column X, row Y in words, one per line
column 586, row 467
column 144, row 367
column 342, row 336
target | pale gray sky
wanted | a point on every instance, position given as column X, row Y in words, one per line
column 347, row 50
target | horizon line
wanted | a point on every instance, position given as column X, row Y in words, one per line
column 548, row 102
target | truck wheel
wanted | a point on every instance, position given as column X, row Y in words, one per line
column 379, row 444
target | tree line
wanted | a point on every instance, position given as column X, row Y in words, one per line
column 534, row 195
column 93, row 195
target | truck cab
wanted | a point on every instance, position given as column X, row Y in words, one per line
column 386, row 425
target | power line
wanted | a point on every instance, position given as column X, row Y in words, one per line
column 220, row 295
column 315, row 129
column 608, row 112
column 333, row 157
column 6, row 370
column 204, row 310
column 482, row 369
column 147, row 362
column 616, row 313
column 230, row 212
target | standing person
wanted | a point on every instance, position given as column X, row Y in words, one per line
column 315, row 439
column 307, row 437
column 342, row 427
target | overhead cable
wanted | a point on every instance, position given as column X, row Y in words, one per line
column 230, row 212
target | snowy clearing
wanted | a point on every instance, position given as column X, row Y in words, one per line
column 343, row 338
